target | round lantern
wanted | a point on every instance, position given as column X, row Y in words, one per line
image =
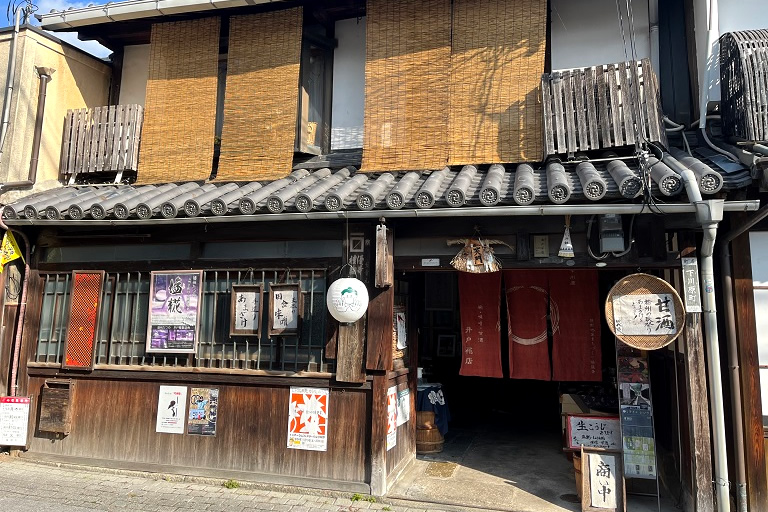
column 347, row 299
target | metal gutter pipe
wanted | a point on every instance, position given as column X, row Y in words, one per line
column 709, row 213
column 22, row 311
column 9, row 82
column 503, row 211
column 733, row 352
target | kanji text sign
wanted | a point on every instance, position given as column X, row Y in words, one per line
column 14, row 420
column 593, row 432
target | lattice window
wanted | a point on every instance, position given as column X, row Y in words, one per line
column 122, row 333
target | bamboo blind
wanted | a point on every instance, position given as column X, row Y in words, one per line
column 261, row 98
column 180, row 114
column 497, row 61
column 407, row 73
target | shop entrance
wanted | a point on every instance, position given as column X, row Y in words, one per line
column 502, row 446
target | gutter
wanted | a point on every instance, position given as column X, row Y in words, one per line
column 133, row 9
column 9, row 82
column 709, row 213
column 733, row 351
column 502, row 211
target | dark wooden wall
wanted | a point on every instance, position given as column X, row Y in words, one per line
column 114, row 420
column 405, row 449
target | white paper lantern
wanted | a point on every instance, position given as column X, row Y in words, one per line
column 347, row 299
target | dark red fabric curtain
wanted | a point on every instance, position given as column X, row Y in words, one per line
column 480, row 301
column 575, row 305
column 527, row 305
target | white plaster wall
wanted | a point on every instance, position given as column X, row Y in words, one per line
column 588, row 33
column 758, row 244
column 133, row 83
column 348, row 85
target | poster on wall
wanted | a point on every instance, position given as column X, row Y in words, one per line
column 203, row 410
column 174, row 311
column 403, row 406
column 245, row 310
column 171, row 407
column 14, row 420
column 308, row 419
column 391, row 417
column 643, row 315
column 285, row 306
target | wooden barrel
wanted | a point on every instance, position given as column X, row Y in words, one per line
column 429, row 440
column 425, row 419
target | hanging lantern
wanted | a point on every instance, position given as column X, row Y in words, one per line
column 347, row 300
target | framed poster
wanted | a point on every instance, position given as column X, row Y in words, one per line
column 174, row 311
column 602, row 481
column 171, row 406
column 286, row 305
column 203, row 411
column 308, row 419
column 245, row 318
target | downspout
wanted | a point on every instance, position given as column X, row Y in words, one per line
column 45, row 77
column 9, row 83
column 653, row 22
column 733, row 352
column 709, row 213
column 22, row 310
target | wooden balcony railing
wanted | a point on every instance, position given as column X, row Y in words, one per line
column 103, row 140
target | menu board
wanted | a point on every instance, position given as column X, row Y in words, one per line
column 14, row 420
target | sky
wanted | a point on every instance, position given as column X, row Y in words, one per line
column 44, row 7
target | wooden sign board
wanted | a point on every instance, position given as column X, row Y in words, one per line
column 286, row 306
column 592, row 432
column 245, row 315
column 602, row 481
column 55, row 406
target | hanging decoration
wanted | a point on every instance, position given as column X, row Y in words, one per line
column 566, row 247
column 347, row 299
column 476, row 256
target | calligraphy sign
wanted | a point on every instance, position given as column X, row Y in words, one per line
column 286, row 305
column 14, row 420
column 171, row 405
column 646, row 314
column 245, row 317
column 593, row 432
column 174, row 311
column 691, row 285
column 602, row 481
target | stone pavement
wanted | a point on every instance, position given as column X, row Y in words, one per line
column 27, row 486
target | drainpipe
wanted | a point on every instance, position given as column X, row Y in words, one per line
column 653, row 22
column 45, row 77
column 9, row 83
column 733, row 352
column 22, row 309
column 709, row 213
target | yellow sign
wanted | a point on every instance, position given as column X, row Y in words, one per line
column 9, row 250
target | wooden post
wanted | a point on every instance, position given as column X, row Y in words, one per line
column 379, row 434
column 749, row 364
column 698, row 403
column 349, row 353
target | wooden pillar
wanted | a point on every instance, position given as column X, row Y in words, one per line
column 379, row 434
column 698, row 402
column 749, row 364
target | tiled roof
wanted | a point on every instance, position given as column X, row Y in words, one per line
column 345, row 189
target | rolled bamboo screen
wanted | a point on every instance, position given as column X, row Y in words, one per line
column 180, row 111
column 261, row 98
column 497, row 61
column 407, row 78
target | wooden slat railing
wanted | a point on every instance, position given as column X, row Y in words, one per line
column 601, row 107
column 101, row 140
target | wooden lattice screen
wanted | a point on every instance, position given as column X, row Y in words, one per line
column 497, row 59
column 83, row 318
column 744, row 84
column 597, row 107
column 261, row 100
column 180, row 110
column 407, row 72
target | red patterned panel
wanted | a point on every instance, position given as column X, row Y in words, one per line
column 83, row 318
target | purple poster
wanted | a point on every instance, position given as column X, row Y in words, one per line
column 174, row 311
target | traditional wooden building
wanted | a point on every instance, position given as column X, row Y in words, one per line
column 209, row 207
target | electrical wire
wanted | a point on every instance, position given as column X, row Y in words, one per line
column 28, row 9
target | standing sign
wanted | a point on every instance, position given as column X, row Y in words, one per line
column 14, row 420
column 639, row 445
column 308, row 419
column 174, row 312
column 171, row 406
column 691, row 285
column 391, row 417
column 593, row 432
column 602, row 481
column 203, row 411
